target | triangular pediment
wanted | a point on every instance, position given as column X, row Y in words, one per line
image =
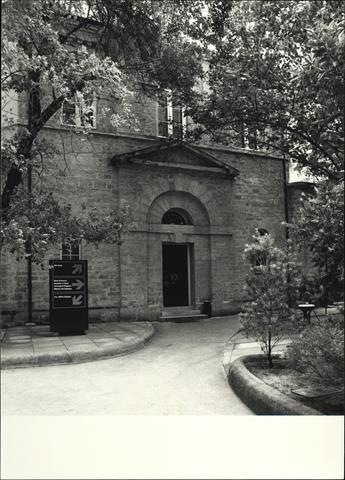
column 177, row 155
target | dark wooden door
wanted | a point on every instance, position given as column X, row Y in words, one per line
column 175, row 275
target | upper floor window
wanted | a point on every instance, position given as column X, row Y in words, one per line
column 79, row 112
column 249, row 138
column 71, row 251
column 171, row 121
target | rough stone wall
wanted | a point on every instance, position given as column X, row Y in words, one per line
column 257, row 201
column 126, row 282
column 81, row 175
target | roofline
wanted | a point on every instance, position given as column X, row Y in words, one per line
column 302, row 183
column 166, row 145
column 244, row 151
column 154, row 139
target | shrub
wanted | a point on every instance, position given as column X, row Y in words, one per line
column 319, row 351
column 270, row 284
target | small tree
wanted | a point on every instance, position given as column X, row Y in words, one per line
column 270, row 286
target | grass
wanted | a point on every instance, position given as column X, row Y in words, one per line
column 286, row 379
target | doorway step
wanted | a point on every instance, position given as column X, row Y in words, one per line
column 181, row 314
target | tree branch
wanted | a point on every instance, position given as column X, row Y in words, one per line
column 48, row 113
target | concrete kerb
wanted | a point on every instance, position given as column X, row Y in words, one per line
column 260, row 397
column 228, row 351
column 89, row 355
column 256, row 394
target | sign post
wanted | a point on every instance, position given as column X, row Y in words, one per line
column 68, row 297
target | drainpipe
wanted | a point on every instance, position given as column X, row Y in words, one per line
column 286, row 208
column 119, row 251
column 29, row 252
column 286, row 203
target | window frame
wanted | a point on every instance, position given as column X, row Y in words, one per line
column 261, row 262
column 170, row 116
column 70, row 256
column 78, row 113
column 180, row 213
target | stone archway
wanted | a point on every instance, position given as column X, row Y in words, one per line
column 184, row 201
column 179, row 260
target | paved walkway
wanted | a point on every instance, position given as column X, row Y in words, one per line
column 36, row 346
column 180, row 372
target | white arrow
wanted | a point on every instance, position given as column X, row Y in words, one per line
column 77, row 300
column 78, row 284
column 78, row 268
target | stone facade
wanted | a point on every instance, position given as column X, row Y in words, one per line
column 227, row 194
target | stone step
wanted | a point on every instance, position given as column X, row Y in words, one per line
column 186, row 317
column 178, row 311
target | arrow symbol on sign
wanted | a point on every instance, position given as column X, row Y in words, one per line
column 78, row 284
column 77, row 300
column 78, row 268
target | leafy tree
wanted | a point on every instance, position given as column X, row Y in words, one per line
column 272, row 279
column 45, row 222
column 44, row 64
column 276, row 77
column 319, row 228
column 38, row 60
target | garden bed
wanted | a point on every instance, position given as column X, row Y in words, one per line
column 286, row 380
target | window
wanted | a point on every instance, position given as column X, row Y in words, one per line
column 261, row 257
column 176, row 216
column 164, row 113
column 79, row 113
column 177, row 114
column 249, row 137
column 262, row 232
column 171, row 121
column 71, row 251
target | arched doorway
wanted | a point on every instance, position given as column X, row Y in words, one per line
column 178, row 251
column 176, row 263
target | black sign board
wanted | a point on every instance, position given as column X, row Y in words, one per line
column 68, row 296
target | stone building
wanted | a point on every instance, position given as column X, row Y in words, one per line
column 194, row 207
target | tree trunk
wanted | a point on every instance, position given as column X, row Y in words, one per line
column 270, row 345
column 36, row 121
column 14, row 176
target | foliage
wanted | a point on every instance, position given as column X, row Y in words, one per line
column 268, row 317
column 44, row 221
column 95, row 228
column 276, row 78
column 319, row 351
column 67, row 50
column 319, row 227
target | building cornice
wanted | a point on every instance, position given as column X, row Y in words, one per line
column 151, row 138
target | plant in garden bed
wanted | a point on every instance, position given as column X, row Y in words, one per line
column 318, row 351
column 284, row 378
column 270, row 286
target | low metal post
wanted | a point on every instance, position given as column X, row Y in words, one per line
column 306, row 309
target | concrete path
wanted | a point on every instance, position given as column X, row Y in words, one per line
column 179, row 372
column 36, row 345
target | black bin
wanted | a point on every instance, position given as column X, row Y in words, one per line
column 207, row 308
